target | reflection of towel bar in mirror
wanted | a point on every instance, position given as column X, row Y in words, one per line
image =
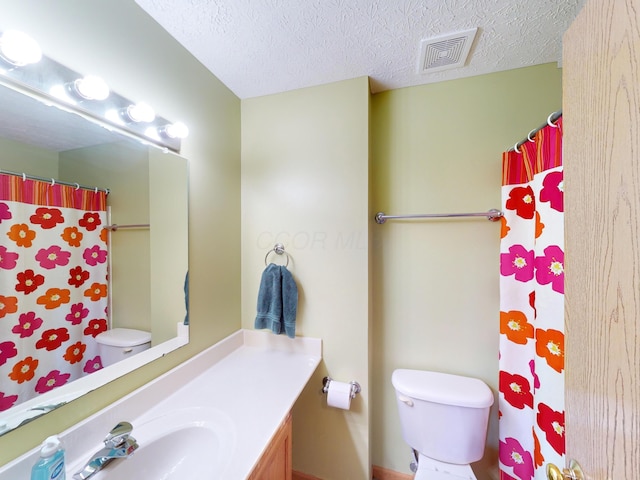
column 116, row 227
column 278, row 248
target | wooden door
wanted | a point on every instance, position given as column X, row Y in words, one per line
column 601, row 115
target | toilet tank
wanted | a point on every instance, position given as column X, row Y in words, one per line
column 443, row 416
column 120, row 343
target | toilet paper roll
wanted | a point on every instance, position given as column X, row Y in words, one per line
column 339, row 395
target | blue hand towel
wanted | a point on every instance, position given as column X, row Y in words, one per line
column 277, row 301
column 289, row 302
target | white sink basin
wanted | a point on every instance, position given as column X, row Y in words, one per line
column 183, row 444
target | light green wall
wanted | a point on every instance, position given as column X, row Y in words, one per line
column 18, row 157
column 168, row 175
column 437, row 149
column 123, row 168
column 118, row 41
column 305, row 158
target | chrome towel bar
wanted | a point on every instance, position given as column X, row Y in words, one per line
column 492, row 215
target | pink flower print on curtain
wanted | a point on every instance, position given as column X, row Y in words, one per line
column 27, row 324
column 8, row 260
column 518, row 262
column 553, row 190
column 513, row 455
column 53, row 279
column 531, row 377
column 550, row 268
column 52, row 257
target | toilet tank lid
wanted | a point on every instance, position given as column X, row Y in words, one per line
column 442, row 388
column 123, row 337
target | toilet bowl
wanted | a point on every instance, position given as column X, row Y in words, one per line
column 444, row 419
column 120, row 343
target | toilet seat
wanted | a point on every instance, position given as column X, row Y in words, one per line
column 430, row 469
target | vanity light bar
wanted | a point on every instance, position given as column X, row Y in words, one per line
column 91, row 87
column 19, row 49
column 176, row 130
column 140, row 112
column 50, row 82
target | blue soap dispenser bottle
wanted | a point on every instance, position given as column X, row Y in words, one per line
column 50, row 465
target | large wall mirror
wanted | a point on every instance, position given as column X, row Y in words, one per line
column 147, row 250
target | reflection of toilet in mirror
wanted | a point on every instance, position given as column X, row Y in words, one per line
column 120, row 343
column 444, row 420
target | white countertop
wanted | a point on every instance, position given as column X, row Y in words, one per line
column 252, row 378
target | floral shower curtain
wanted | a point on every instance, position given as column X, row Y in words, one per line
column 53, row 285
column 531, row 377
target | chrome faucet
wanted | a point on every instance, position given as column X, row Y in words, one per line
column 117, row 444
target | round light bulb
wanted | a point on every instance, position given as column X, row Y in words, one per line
column 141, row 112
column 113, row 116
column 19, row 49
column 91, row 88
column 177, row 130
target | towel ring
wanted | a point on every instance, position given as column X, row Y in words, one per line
column 279, row 250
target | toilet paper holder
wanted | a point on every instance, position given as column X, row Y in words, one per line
column 355, row 386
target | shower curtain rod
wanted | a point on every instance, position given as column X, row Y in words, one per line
column 551, row 120
column 492, row 215
column 53, row 181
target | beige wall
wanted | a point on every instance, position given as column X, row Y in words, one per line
column 138, row 59
column 305, row 184
column 437, row 149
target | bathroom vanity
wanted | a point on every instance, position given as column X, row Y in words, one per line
column 223, row 414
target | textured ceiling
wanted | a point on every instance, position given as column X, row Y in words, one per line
column 260, row 47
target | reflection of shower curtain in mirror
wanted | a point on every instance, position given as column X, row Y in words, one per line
column 53, row 285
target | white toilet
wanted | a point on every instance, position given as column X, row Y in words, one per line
column 444, row 419
column 120, row 343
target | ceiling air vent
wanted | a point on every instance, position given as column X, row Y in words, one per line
column 446, row 51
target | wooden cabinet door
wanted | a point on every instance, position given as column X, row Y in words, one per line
column 275, row 463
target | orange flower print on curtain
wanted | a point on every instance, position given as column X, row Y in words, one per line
column 514, row 325
column 531, row 381
column 51, row 256
column 21, row 234
column 8, row 305
column 24, row 370
column 550, row 346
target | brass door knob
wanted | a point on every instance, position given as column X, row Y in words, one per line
column 574, row 472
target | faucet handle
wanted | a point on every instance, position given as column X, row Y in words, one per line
column 118, row 434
